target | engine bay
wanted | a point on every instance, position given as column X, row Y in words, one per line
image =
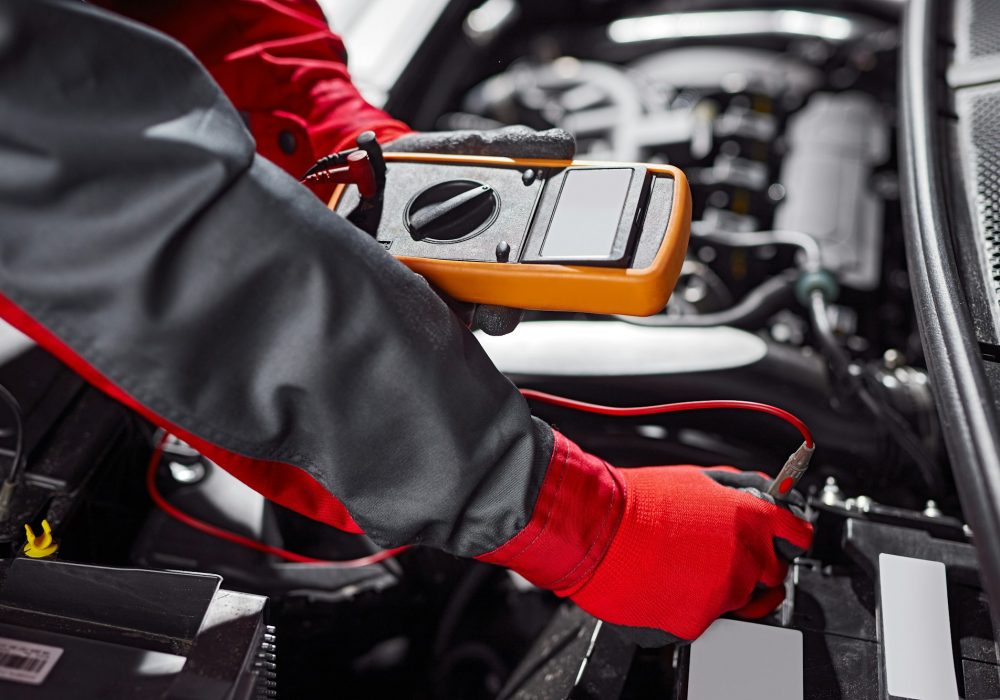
column 785, row 121
column 780, row 132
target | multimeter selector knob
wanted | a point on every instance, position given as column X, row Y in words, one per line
column 451, row 211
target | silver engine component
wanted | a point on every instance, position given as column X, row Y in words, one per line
column 762, row 146
column 629, row 113
column 835, row 142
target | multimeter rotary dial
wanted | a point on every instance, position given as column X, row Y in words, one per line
column 451, row 211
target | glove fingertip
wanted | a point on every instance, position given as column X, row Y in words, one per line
column 776, row 570
column 788, row 551
column 647, row 637
column 762, row 604
column 789, row 527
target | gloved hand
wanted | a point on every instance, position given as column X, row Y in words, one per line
column 659, row 551
column 508, row 142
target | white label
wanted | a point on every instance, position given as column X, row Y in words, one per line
column 736, row 660
column 26, row 662
column 916, row 632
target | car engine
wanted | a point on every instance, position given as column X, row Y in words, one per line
column 785, row 120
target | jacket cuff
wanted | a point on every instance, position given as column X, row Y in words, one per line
column 577, row 512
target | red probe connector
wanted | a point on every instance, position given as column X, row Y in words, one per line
column 358, row 171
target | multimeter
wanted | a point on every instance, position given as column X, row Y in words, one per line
column 595, row 237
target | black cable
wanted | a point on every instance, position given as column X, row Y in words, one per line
column 334, row 160
column 899, row 428
column 762, row 302
column 472, row 651
column 839, row 360
column 463, row 594
column 552, row 648
column 17, row 465
column 696, row 268
column 902, row 432
column 759, row 239
column 15, row 408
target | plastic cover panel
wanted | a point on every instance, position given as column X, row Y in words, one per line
column 984, row 28
column 979, row 110
column 734, row 659
column 835, row 144
column 916, row 629
column 935, row 237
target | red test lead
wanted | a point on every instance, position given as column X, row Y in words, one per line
column 224, row 534
column 795, row 466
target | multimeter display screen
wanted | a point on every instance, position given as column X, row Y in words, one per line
column 587, row 215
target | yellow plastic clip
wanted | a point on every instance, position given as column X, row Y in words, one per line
column 41, row 546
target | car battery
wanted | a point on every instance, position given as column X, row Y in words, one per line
column 87, row 632
column 888, row 605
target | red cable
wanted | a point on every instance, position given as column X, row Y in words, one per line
column 671, row 408
column 552, row 399
column 215, row 531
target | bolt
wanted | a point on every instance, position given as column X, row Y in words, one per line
column 893, row 359
column 830, row 495
column 187, row 473
column 931, row 510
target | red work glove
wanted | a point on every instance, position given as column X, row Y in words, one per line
column 660, row 551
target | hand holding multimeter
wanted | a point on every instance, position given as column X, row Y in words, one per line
column 555, row 235
column 535, row 234
column 604, row 238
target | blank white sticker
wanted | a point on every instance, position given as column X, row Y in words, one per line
column 26, row 662
column 916, row 634
column 746, row 661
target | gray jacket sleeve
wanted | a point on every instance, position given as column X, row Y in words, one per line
column 142, row 237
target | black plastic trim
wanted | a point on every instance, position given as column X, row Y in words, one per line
column 964, row 400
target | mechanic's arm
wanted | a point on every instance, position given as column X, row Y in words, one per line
column 280, row 66
column 143, row 242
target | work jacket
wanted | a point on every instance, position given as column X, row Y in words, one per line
column 146, row 243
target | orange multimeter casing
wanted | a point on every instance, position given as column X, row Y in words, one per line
column 594, row 237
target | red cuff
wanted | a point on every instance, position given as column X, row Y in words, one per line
column 579, row 507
